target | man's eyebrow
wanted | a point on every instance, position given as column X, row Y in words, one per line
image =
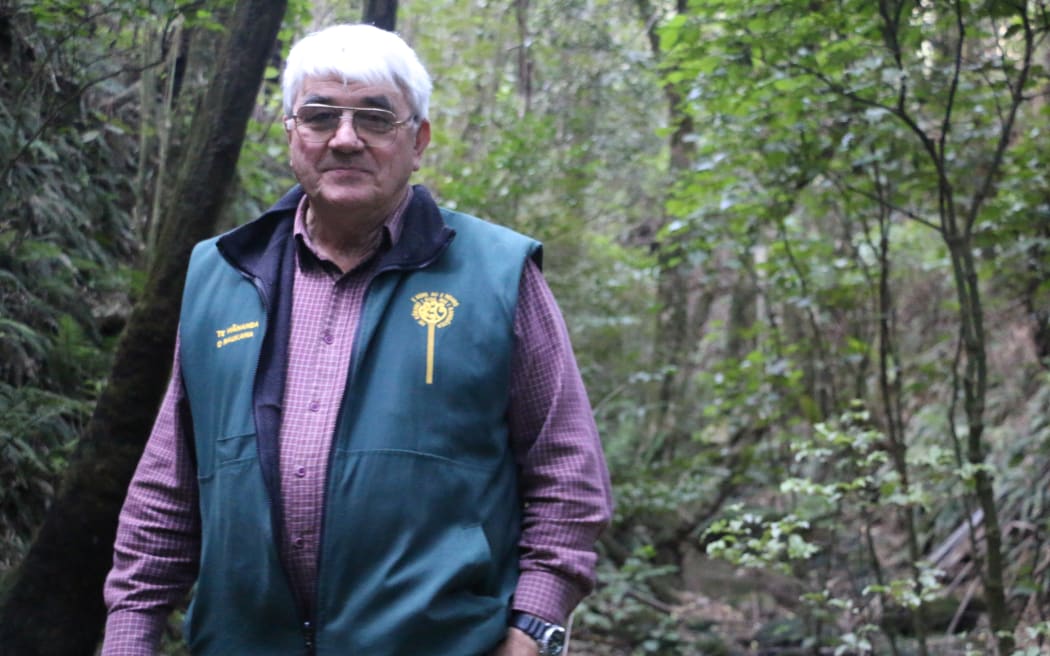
column 314, row 99
column 382, row 102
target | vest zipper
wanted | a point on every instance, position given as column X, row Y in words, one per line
column 308, row 636
column 308, row 627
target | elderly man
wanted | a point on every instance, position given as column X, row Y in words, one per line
column 375, row 439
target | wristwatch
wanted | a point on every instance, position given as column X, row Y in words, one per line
column 550, row 637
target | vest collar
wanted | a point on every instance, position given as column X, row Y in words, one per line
column 256, row 248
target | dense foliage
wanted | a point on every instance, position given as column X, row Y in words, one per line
column 803, row 248
column 67, row 240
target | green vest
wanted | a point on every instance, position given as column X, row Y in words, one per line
column 422, row 515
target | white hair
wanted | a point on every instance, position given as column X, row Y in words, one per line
column 357, row 53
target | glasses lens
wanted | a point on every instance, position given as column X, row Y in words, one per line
column 373, row 121
column 317, row 123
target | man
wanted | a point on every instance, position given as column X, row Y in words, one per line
column 375, row 440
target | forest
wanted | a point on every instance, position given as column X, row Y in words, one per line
column 802, row 248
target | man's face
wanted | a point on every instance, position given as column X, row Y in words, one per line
column 346, row 175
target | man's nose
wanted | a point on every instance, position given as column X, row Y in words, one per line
column 345, row 135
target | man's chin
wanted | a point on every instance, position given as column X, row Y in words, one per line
column 348, row 200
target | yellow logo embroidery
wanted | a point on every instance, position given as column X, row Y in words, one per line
column 433, row 310
column 235, row 332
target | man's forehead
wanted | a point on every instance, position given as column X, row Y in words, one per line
column 334, row 91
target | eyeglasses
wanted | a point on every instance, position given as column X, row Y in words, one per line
column 318, row 123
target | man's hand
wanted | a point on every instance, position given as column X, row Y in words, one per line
column 517, row 643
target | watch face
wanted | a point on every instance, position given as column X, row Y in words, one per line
column 554, row 642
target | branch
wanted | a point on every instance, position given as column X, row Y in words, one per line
column 652, row 603
column 892, row 28
column 1016, row 99
column 837, row 88
column 57, row 109
column 839, row 181
column 953, row 88
column 55, row 48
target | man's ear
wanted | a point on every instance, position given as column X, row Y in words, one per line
column 421, row 143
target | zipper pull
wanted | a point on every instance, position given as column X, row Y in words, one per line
column 308, row 634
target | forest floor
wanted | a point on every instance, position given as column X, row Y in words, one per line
column 743, row 612
column 709, row 627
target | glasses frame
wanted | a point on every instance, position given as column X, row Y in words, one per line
column 294, row 122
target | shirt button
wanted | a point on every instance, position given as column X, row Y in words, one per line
column 298, row 542
column 314, row 406
column 328, row 337
column 300, row 472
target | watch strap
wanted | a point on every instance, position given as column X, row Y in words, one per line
column 539, row 630
column 530, row 624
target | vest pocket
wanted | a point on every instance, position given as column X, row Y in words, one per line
column 242, row 603
column 409, row 532
column 407, row 501
column 225, row 452
column 234, row 449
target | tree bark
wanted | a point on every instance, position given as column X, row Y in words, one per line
column 53, row 605
column 381, row 13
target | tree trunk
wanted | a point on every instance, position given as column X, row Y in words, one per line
column 381, row 13
column 54, row 603
column 1036, row 293
column 683, row 308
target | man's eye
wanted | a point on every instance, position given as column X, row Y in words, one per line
column 319, row 117
column 373, row 121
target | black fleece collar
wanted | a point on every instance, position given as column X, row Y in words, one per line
column 256, row 248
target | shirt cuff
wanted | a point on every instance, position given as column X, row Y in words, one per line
column 545, row 595
column 130, row 633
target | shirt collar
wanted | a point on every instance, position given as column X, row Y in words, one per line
column 308, row 255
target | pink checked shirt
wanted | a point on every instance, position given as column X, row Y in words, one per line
column 564, row 481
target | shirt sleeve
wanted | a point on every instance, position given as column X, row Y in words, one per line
column 155, row 556
column 564, row 480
